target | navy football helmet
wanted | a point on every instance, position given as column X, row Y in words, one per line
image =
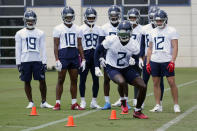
column 151, row 12
column 124, row 31
column 161, row 19
column 114, row 14
column 30, row 19
column 133, row 16
column 68, row 15
column 90, row 16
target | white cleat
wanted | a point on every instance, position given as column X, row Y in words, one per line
column 177, row 108
column 30, row 105
column 117, row 103
column 83, row 104
column 157, row 108
column 46, row 105
column 134, row 102
column 94, row 105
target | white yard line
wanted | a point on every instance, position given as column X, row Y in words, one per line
column 1, row 126
column 177, row 119
column 92, row 111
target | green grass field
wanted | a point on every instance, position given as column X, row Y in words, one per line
column 14, row 116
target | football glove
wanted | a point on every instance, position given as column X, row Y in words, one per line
column 98, row 72
column 102, row 62
column 44, row 67
column 141, row 63
column 83, row 65
column 131, row 61
column 171, row 66
column 148, row 68
column 58, row 65
column 19, row 67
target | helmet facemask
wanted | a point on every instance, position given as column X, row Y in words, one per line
column 30, row 22
column 124, row 35
column 114, row 17
column 90, row 19
column 134, row 20
column 160, row 22
column 68, row 18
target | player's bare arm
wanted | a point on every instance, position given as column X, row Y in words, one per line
column 80, row 48
column 149, row 52
column 175, row 49
column 56, row 45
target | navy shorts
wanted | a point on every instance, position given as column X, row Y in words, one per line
column 70, row 63
column 160, row 69
column 128, row 73
column 32, row 68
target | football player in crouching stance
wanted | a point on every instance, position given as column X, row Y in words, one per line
column 31, row 57
column 120, row 49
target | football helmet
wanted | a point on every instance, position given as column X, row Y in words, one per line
column 68, row 15
column 30, row 19
column 151, row 12
column 90, row 16
column 133, row 16
column 161, row 19
column 114, row 14
column 124, row 31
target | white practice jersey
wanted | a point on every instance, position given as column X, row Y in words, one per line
column 68, row 36
column 30, row 46
column 162, row 46
column 146, row 32
column 109, row 29
column 118, row 55
column 137, row 34
column 90, row 36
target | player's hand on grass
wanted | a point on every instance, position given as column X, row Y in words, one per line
column 171, row 66
column 102, row 62
column 141, row 63
column 148, row 68
column 58, row 65
column 131, row 61
column 83, row 64
column 98, row 72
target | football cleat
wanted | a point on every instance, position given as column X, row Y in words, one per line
column 56, row 107
column 157, row 108
column 106, row 106
column 83, row 104
column 94, row 105
column 117, row 103
column 139, row 114
column 76, row 107
column 177, row 108
column 45, row 105
column 124, row 106
column 30, row 105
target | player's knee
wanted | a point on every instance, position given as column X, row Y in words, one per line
column 121, row 83
column 60, row 81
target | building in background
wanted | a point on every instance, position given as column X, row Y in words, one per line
column 182, row 15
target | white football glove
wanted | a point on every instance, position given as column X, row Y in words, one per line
column 98, row 72
column 141, row 63
column 83, row 65
column 131, row 61
column 102, row 62
column 58, row 65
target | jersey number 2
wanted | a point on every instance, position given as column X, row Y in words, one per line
column 121, row 55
